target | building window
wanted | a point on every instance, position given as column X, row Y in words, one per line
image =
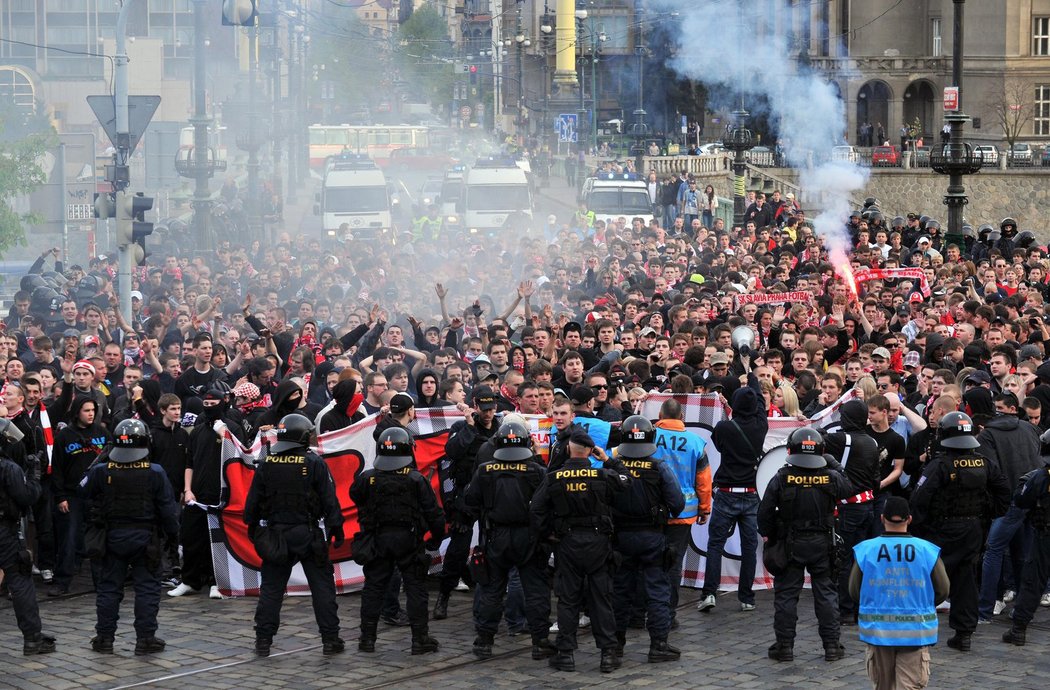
column 1041, row 121
column 1041, row 36
column 935, row 44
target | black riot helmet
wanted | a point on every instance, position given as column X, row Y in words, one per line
column 394, row 450
column 293, row 433
column 513, row 442
column 1024, row 240
column 1008, row 226
column 933, row 224
column 957, row 432
column 637, row 437
column 898, row 222
column 806, row 449
column 130, row 441
column 31, row 281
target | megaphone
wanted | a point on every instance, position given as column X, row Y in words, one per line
column 743, row 338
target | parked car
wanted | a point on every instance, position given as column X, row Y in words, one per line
column 1021, row 154
column 1044, row 157
column 762, row 156
column 989, row 154
column 713, row 148
column 886, row 156
column 921, row 157
column 846, row 154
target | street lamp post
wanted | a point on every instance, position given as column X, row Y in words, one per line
column 958, row 158
column 738, row 140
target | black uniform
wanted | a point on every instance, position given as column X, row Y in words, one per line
column 499, row 496
column 959, row 492
column 399, row 507
column 798, row 507
column 18, row 493
column 574, row 504
column 135, row 502
column 290, row 492
column 639, row 516
column 858, row 454
column 1034, row 496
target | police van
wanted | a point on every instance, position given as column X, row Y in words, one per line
column 611, row 195
column 497, row 195
column 353, row 202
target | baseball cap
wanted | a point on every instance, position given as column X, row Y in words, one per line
column 896, row 510
column 719, row 358
column 915, row 298
column 912, row 359
column 135, row 294
column 979, row 377
column 84, row 364
column 402, row 402
column 648, row 330
column 71, row 333
column 581, row 395
column 880, row 352
column 91, row 340
column 483, row 397
column 1029, row 352
column 581, row 438
column 490, row 376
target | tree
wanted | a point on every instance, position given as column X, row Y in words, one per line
column 25, row 136
column 425, row 56
column 1013, row 110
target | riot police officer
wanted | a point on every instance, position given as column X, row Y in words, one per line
column 133, row 499
column 639, row 516
column 499, row 496
column 1033, row 496
column 797, row 517
column 574, row 505
column 959, row 491
column 396, row 507
column 291, row 490
column 858, row 454
column 19, row 491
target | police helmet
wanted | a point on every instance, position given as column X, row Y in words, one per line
column 31, row 282
column 41, row 298
column 876, row 217
column 637, row 437
column 9, row 431
column 130, row 441
column 933, row 224
column 898, row 222
column 967, row 231
column 923, row 220
column 983, row 230
column 855, row 213
column 1025, row 239
column 994, row 235
column 1044, row 446
column 1007, row 222
column 293, row 433
column 513, row 442
column 394, row 450
column 956, row 431
column 870, row 201
column 806, row 449
column 218, row 390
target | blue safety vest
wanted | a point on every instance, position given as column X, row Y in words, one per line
column 897, row 606
column 598, row 430
column 684, row 454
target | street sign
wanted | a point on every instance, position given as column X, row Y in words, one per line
column 566, row 125
column 80, row 211
column 140, row 112
column 951, row 98
column 464, row 112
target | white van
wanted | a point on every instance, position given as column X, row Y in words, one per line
column 611, row 195
column 497, row 191
column 353, row 194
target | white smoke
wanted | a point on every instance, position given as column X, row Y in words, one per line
column 720, row 44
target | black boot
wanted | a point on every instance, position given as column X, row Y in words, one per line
column 660, row 650
column 367, row 642
column 422, row 642
column 45, row 644
column 621, row 642
column 483, row 646
column 834, row 651
column 542, row 648
column 262, row 646
column 102, row 645
column 608, row 663
column 440, row 607
column 1015, row 635
column 149, row 645
column 782, row 651
column 333, row 645
column 562, row 661
column 960, row 641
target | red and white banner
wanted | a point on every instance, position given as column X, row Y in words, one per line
column 702, row 411
column 774, row 298
column 865, row 274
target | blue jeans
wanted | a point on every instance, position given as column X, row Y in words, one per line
column 729, row 511
column 1007, row 532
column 670, row 213
column 708, row 219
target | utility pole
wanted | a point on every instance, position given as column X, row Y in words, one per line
column 123, row 147
column 202, row 169
column 253, row 143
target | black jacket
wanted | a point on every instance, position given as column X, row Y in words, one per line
column 739, row 441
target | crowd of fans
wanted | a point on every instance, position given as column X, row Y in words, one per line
column 600, row 315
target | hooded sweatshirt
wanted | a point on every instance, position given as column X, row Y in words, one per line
column 347, row 409
column 76, row 449
column 854, row 449
column 433, row 400
column 739, row 440
column 1013, row 444
column 285, row 401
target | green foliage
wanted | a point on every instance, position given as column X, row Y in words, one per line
column 24, row 137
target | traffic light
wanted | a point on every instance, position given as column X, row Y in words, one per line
column 132, row 228
column 239, row 12
column 105, row 205
column 473, row 74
